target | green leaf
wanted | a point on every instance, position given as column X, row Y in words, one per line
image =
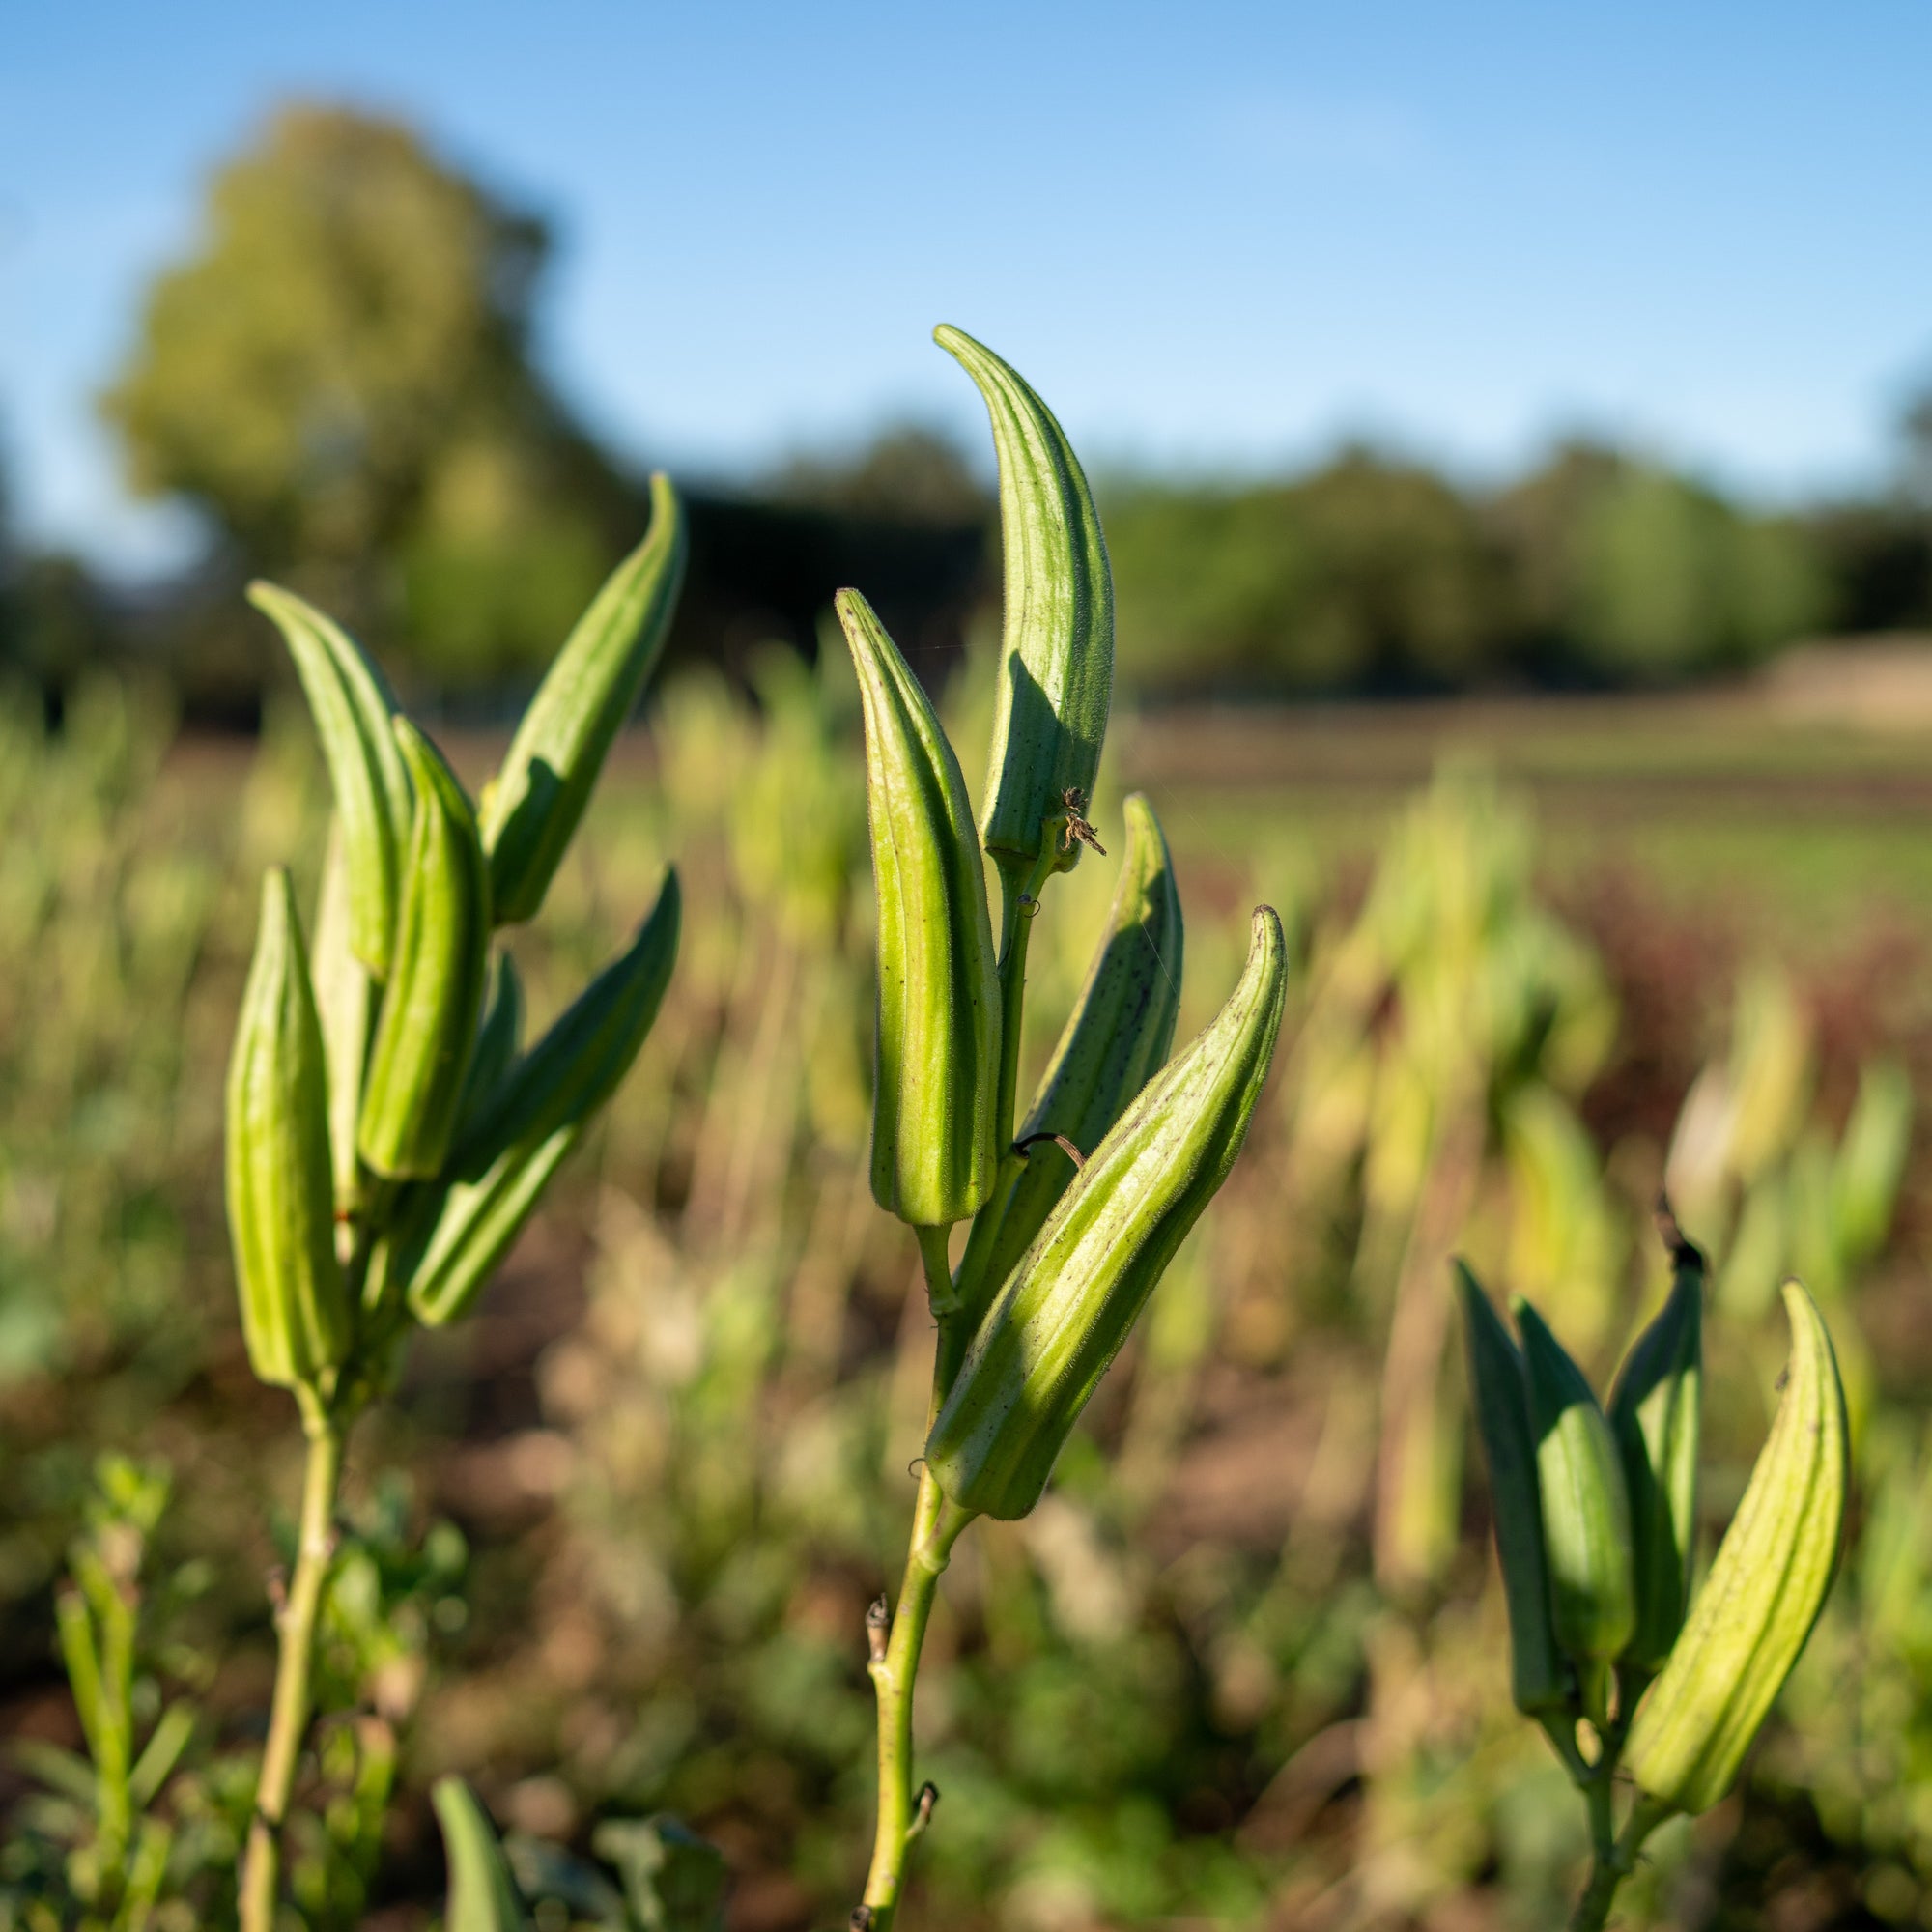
column 532, row 809
column 352, row 704
column 1074, row 1296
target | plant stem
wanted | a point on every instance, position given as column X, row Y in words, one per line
column 895, row 1665
column 288, row 1713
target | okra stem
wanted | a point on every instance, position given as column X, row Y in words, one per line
column 288, row 1714
column 936, row 1525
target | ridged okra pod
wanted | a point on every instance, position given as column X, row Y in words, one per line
column 1071, row 1303
column 427, row 1032
column 352, row 706
column 1655, row 1414
column 531, row 810
column 1586, row 1536
column 938, row 1013
column 1765, row 1590
column 1540, row 1680
column 539, row 1110
column 1056, row 652
column 296, row 1314
column 1115, row 1040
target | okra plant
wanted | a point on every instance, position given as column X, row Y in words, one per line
column 1076, row 1211
column 388, row 1132
column 1633, row 1676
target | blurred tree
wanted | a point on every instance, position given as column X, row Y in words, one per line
column 906, row 474
column 341, row 378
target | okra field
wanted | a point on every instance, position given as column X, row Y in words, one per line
column 607, row 1550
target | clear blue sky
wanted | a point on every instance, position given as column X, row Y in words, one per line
column 1214, row 234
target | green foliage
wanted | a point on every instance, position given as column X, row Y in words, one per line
column 340, row 377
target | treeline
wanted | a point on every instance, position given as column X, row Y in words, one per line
column 338, row 379
column 1371, row 573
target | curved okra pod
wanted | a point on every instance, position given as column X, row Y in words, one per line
column 1540, row 1682
column 1071, row 1303
column 352, row 706
column 1765, row 1590
column 531, row 810
column 1057, row 656
column 483, row 1896
column 1586, row 1535
column 296, row 1314
column 427, row 1030
column 1115, row 1040
column 539, row 1112
column 1656, row 1415
column 938, row 1013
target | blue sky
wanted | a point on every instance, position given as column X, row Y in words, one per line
column 1214, row 234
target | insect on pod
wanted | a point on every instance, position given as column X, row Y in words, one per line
column 1540, row 1680
column 531, row 810
column 538, row 1113
column 1115, row 1040
column 1763, row 1592
column 352, row 706
column 1056, row 653
column 1072, row 1301
column 296, row 1317
column 938, row 1014
column 1586, row 1535
column 427, row 1032
column 1656, row 1415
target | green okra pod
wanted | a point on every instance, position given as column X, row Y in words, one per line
column 531, row 810
column 1763, row 1595
column 352, row 706
column 1074, row 1296
column 345, row 995
column 427, row 1030
column 1056, row 653
column 540, row 1109
column 1115, row 1040
column 937, row 1067
column 296, row 1314
column 483, row 1896
column 1586, row 1534
column 1655, row 1414
column 1540, row 1680
column 498, row 1040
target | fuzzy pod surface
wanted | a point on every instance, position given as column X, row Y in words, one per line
column 1586, row 1534
column 352, row 706
column 532, row 809
column 427, row 1032
column 1057, row 650
column 296, row 1315
column 539, row 1111
column 1538, row 1679
column 1757, row 1606
column 1655, row 1414
column 1072, row 1300
column 937, row 1066
column 1115, row 1040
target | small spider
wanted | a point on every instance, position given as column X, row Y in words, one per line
column 1078, row 831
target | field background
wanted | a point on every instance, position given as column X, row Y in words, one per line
column 1203, row 1680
